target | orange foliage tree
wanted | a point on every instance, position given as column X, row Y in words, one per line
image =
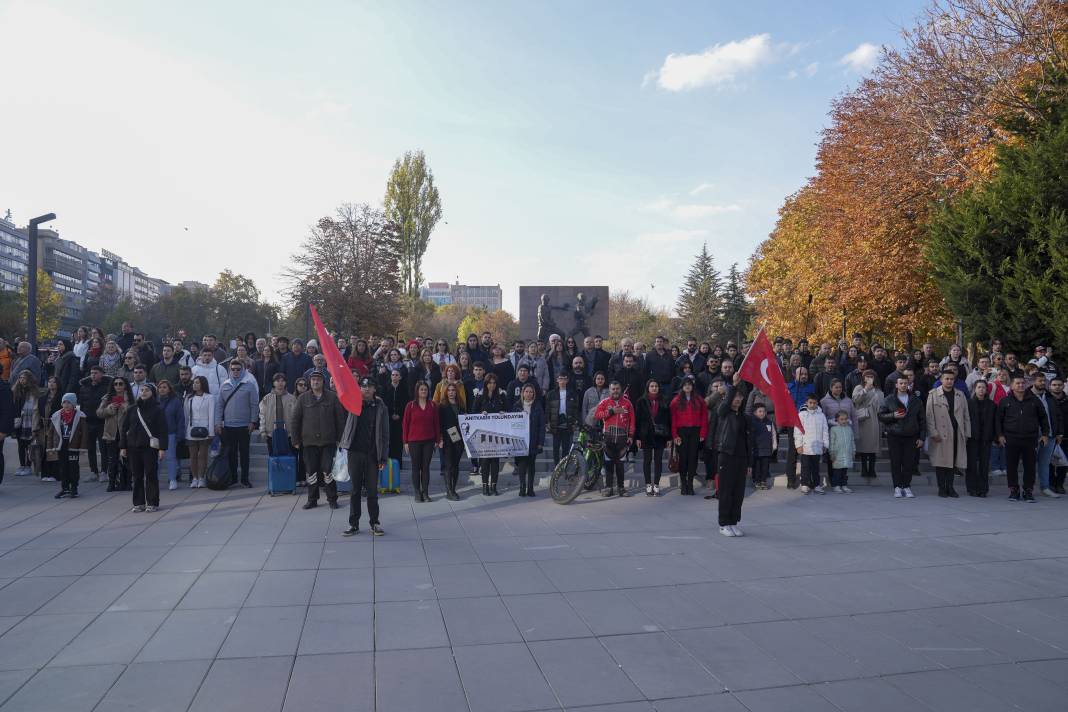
column 921, row 128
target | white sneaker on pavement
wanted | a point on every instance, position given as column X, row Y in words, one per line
column 898, row 493
column 805, row 489
column 846, row 489
column 1050, row 493
column 736, row 530
column 908, row 493
column 838, row 489
column 656, row 490
column 727, row 531
column 820, row 490
column 173, row 485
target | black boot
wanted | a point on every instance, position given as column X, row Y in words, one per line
column 493, row 485
column 941, row 484
column 950, row 491
column 485, row 489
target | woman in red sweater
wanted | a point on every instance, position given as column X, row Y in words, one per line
column 421, row 432
column 689, row 426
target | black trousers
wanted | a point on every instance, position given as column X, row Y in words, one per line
column 652, row 464
column 977, row 476
column 95, row 431
column 363, row 471
column 319, row 461
column 691, row 442
column 237, row 439
column 118, row 469
column 867, row 464
column 422, row 452
column 810, row 470
column 904, row 459
column 731, row 488
column 69, row 471
column 453, row 453
column 711, row 466
column 1017, row 449
column 525, row 467
column 613, row 473
column 144, row 466
column 791, row 462
column 490, row 469
column 761, row 468
column 561, row 443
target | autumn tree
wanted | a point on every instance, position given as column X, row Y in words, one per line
column 700, row 305
column 49, row 309
column 348, row 266
column 501, row 324
column 636, row 318
column 413, row 204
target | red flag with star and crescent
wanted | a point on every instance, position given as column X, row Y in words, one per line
column 761, row 368
column 344, row 384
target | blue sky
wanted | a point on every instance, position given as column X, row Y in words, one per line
column 572, row 142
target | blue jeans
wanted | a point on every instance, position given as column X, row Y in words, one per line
column 1044, row 455
column 170, row 458
column 997, row 457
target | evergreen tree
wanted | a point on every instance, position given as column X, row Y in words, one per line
column 700, row 305
column 737, row 311
column 1000, row 251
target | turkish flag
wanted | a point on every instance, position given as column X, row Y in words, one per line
column 761, row 368
column 348, row 392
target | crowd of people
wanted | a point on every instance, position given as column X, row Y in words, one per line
column 139, row 409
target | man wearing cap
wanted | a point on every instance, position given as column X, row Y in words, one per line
column 318, row 418
column 366, row 437
column 237, row 412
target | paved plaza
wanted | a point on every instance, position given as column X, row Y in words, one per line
column 239, row 601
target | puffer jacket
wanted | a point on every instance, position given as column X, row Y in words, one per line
column 816, row 437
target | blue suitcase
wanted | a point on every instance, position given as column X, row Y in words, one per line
column 281, row 474
column 389, row 477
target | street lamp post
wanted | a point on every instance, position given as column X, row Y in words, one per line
column 31, row 278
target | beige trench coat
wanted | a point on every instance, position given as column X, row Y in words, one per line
column 939, row 425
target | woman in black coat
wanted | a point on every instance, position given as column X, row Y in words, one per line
column 981, row 413
column 491, row 400
column 652, row 430
column 734, row 443
column 452, row 445
column 395, row 395
column 142, row 423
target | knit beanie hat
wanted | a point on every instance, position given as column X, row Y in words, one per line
column 69, row 397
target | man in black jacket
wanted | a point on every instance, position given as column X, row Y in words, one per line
column 366, row 437
column 1020, row 425
column 825, row 377
column 596, row 357
column 659, row 365
column 562, row 406
column 880, row 363
column 630, row 378
column 91, row 390
column 903, row 415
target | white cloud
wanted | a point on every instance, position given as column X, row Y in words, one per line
column 862, row 59
column 718, row 65
column 811, row 69
column 702, row 188
column 690, row 211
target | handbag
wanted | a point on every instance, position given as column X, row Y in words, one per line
column 198, row 432
column 453, row 433
column 673, row 460
column 153, row 441
column 660, row 430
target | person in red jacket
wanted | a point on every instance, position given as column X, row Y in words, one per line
column 421, row 432
column 689, row 427
column 617, row 413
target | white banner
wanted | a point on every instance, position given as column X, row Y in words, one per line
column 495, row 434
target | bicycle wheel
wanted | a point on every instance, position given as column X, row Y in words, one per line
column 567, row 479
column 593, row 474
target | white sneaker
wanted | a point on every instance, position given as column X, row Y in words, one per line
column 846, row 489
column 908, row 493
column 805, row 489
column 649, row 490
column 820, row 490
column 727, row 531
column 138, row 508
column 656, row 490
column 838, row 490
column 23, row 472
column 1050, row 493
column 150, row 508
column 48, row 479
column 736, row 530
column 173, row 485
column 898, row 493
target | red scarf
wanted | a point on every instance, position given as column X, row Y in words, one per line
column 67, row 416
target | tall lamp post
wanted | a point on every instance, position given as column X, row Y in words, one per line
column 31, row 279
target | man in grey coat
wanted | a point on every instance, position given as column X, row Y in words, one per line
column 237, row 414
column 366, row 437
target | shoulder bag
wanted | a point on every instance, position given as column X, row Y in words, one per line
column 153, row 441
